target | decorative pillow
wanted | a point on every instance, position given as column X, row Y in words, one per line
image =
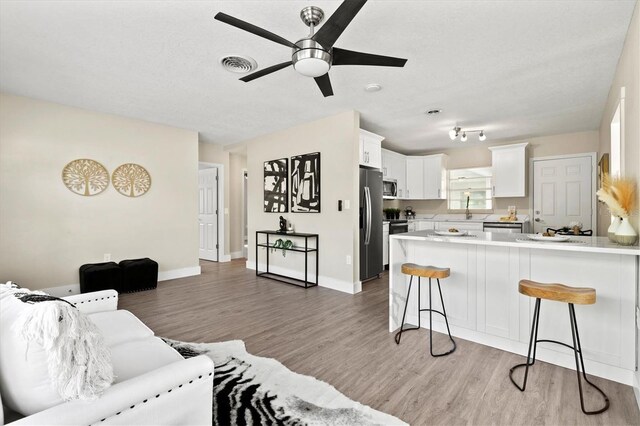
column 50, row 353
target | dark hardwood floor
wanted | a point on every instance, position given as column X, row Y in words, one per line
column 343, row 340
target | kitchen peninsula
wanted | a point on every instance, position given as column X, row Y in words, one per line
column 483, row 303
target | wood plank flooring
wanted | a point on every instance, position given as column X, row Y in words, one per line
column 343, row 340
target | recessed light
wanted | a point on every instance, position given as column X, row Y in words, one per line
column 373, row 87
column 434, row 111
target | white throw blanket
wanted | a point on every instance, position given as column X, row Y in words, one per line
column 79, row 362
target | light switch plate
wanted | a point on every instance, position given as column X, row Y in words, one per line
column 347, row 204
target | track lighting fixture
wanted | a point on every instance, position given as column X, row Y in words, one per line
column 455, row 132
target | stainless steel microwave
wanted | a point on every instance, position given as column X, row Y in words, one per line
column 389, row 189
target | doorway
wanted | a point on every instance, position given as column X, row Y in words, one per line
column 563, row 191
column 245, row 216
column 210, row 207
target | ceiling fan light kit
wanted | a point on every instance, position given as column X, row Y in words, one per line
column 314, row 55
column 455, row 132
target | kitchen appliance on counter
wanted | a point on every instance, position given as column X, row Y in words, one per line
column 370, row 224
column 389, row 189
column 409, row 213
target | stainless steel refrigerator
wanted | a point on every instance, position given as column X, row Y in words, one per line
column 370, row 224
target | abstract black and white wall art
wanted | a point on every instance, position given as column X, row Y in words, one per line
column 276, row 186
column 305, row 183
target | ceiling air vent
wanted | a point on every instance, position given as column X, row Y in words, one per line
column 238, row 64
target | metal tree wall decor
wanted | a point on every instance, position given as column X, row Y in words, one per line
column 131, row 180
column 305, row 183
column 276, row 188
column 85, row 177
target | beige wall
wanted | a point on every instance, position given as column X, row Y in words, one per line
column 480, row 156
column 627, row 76
column 336, row 138
column 47, row 232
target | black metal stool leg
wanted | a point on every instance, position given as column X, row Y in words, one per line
column 444, row 314
column 533, row 343
column 577, row 349
column 406, row 303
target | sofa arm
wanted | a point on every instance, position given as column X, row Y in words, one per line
column 175, row 394
column 96, row 301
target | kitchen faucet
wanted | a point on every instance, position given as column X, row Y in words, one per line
column 467, row 213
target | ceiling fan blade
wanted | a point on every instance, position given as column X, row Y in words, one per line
column 324, row 84
column 335, row 25
column 349, row 57
column 263, row 72
column 223, row 17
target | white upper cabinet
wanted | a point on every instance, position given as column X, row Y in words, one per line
column 509, row 170
column 370, row 149
column 435, row 177
column 394, row 167
column 415, row 178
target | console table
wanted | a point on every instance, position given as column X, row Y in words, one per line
column 268, row 243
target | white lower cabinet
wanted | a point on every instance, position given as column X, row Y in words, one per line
column 425, row 225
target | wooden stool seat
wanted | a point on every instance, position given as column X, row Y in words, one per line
column 558, row 292
column 425, row 271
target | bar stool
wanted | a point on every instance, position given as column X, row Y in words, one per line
column 425, row 272
column 566, row 294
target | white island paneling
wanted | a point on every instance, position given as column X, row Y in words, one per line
column 484, row 305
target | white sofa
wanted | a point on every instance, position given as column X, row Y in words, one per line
column 153, row 383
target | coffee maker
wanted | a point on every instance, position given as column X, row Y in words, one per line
column 409, row 213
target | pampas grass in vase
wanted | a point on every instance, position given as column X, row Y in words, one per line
column 619, row 194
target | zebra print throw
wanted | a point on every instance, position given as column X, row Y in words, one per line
column 251, row 390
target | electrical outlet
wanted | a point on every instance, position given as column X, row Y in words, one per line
column 638, row 317
column 348, row 260
column 107, row 257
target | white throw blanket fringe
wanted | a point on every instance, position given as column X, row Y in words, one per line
column 78, row 361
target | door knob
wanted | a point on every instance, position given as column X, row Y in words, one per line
column 537, row 219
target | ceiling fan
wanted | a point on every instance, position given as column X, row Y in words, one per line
column 314, row 55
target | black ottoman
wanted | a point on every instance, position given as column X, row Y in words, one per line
column 139, row 274
column 100, row 276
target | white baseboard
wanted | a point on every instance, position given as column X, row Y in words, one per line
column 237, row 255
column 224, row 258
column 69, row 289
column 178, row 273
column 323, row 281
column 636, row 388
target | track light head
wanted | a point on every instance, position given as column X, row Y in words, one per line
column 464, row 137
column 453, row 133
column 482, row 136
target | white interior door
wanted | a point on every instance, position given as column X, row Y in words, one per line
column 562, row 193
column 208, row 213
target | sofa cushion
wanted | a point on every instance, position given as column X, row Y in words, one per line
column 131, row 359
column 119, row 327
column 50, row 352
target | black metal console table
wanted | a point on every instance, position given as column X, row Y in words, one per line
column 269, row 245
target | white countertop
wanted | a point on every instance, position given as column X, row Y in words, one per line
column 586, row 244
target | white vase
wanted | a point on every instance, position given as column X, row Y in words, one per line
column 611, row 232
column 625, row 234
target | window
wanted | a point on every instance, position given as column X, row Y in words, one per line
column 472, row 183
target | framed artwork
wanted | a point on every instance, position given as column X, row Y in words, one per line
column 305, row 183
column 603, row 168
column 276, row 186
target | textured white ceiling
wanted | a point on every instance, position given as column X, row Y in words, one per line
column 515, row 68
